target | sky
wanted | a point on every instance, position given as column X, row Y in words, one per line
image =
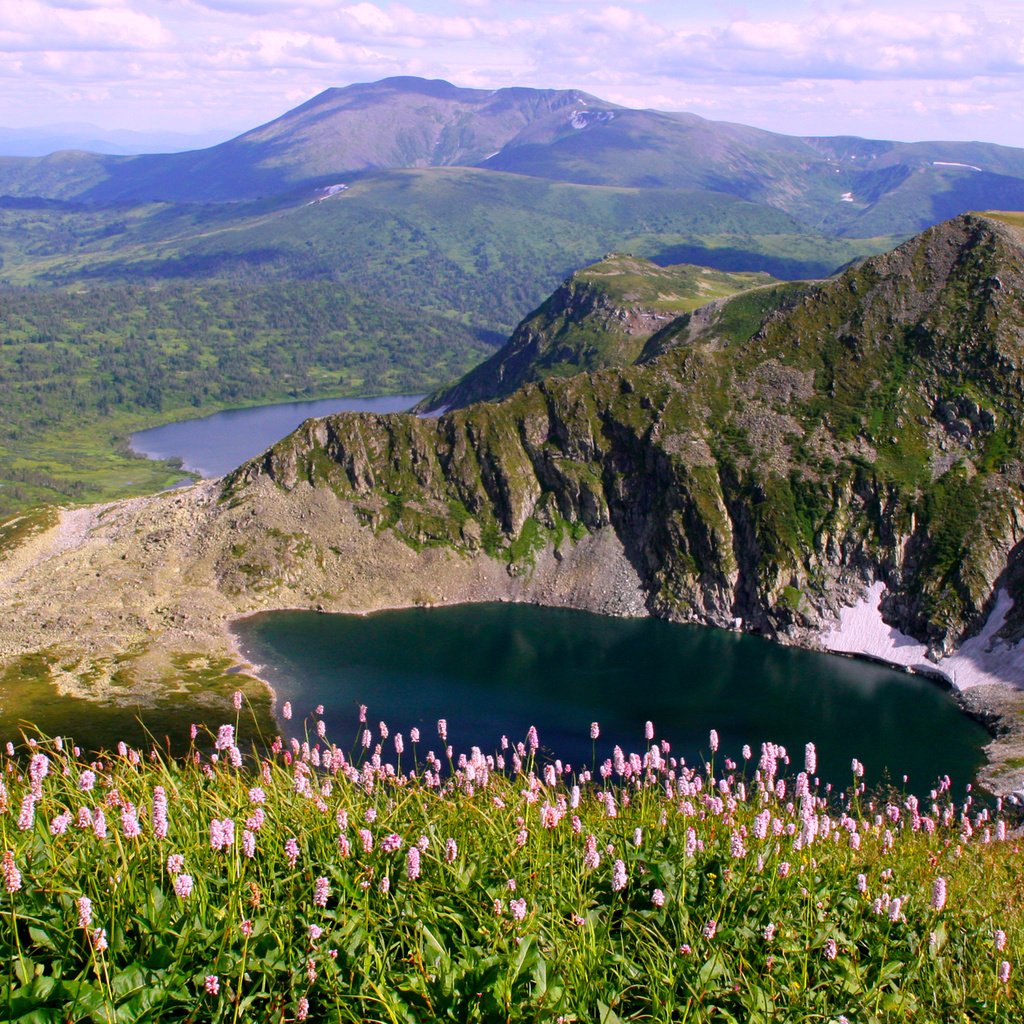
column 904, row 69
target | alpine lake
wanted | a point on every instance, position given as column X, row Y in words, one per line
column 493, row 670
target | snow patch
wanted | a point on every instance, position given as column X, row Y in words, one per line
column 952, row 163
column 984, row 659
column 326, row 193
column 580, row 119
column 846, row 197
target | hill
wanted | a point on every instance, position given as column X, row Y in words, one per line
column 601, row 316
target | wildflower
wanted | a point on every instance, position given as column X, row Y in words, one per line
column 302, row 1008
column 291, row 851
column 129, row 822
column 175, row 864
column 248, row 843
column 385, row 885
column 84, row 906
column 222, row 833
column 638, row 837
column 12, row 876
column 451, row 851
column 518, row 909
column 367, row 840
column 442, row 729
column 27, row 815
column 591, row 858
column 159, row 812
column 747, row 752
column 59, row 824
column 783, row 869
column 810, row 759
column 999, row 937
column 414, row 734
column 938, row 894
column 399, row 743
column 86, row 780
column 246, row 927
column 212, row 984
column 391, row 843
column 225, row 737
column 315, row 931
column 1004, row 972
column 236, row 699
column 321, row 892
column 658, row 898
column 831, row 950
column 183, row 886
column 649, row 731
column 595, row 730
column 618, row 876
column 709, row 930
column 99, row 939
column 862, row 883
column 286, row 710
column 769, row 932
column 713, row 740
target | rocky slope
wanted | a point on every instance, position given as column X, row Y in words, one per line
column 759, row 463
column 600, row 316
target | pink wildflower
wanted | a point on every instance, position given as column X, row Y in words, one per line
column 658, row 898
column 86, row 780
column 12, row 876
column 84, row 907
column 451, row 851
column 236, row 699
column 810, row 759
column 129, row 822
column 595, row 730
column 291, row 851
column 831, row 950
column 315, row 931
column 618, row 876
column 518, row 909
column 159, row 812
column 709, row 930
column 286, row 710
column 999, row 938
column 99, row 939
column 212, row 984
column 321, row 892
column 1004, row 972
column 248, row 843
column 713, row 740
column 175, row 864
column 27, row 815
column 246, row 928
column 412, row 867
column 938, row 894
column 183, row 886
column 302, row 1008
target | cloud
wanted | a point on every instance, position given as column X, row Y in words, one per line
column 860, row 65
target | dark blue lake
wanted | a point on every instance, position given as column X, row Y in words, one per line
column 214, row 445
column 497, row 669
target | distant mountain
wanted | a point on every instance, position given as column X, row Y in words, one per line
column 843, row 185
column 51, row 138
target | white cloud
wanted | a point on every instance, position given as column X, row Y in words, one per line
column 794, row 65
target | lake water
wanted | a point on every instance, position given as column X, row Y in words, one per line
column 497, row 669
column 214, row 445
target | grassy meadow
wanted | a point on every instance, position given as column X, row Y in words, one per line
column 402, row 879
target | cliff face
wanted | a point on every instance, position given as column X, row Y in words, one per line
column 762, row 459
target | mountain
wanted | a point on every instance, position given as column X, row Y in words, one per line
column 760, row 468
column 600, row 316
column 838, row 185
column 765, row 463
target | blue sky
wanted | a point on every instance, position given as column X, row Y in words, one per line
column 904, row 70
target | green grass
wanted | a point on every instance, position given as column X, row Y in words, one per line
column 378, row 885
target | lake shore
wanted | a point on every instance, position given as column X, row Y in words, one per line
column 167, row 576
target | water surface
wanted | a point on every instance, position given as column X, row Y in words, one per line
column 497, row 669
column 215, row 445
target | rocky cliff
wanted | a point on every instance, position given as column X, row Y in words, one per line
column 760, row 461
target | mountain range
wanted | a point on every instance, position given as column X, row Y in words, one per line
column 840, row 185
